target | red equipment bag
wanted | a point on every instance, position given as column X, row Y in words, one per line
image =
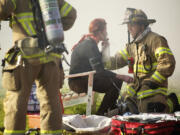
column 119, row 127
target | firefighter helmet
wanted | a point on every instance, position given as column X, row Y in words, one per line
column 133, row 15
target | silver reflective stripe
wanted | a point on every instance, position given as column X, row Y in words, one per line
column 28, row 28
column 131, row 91
column 124, row 54
column 65, row 9
column 151, row 92
column 158, row 77
column 27, row 17
column 25, row 20
column 167, row 50
column 141, row 68
column 163, row 50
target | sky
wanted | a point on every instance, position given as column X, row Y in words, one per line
column 166, row 13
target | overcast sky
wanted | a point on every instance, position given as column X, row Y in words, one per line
column 166, row 13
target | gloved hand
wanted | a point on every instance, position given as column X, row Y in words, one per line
column 150, row 84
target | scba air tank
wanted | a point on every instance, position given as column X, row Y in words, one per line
column 52, row 21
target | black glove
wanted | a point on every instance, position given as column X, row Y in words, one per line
column 151, row 84
column 155, row 107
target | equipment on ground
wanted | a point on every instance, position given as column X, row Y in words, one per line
column 123, row 107
column 145, row 123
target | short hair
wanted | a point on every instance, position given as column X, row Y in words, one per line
column 97, row 25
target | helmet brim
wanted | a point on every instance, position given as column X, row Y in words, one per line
column 148, row 21
column 151, row 21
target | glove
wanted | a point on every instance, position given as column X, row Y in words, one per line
column 151, row 84
column 155, row 107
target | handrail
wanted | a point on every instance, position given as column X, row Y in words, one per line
column 90, row 87
column 80, row 74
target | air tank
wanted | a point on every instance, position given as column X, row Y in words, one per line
column 52, row 21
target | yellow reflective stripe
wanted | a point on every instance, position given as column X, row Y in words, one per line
column 25, row 20
column 141, row 68
column 41, row 55
column 65, row 9
column 50, row 131
column 34, row 56
column 170, row 104
column 56, row 55
column 45, row 59
column 25, row 28
column 14, row 4
column 14, row 131
column 158, row 77
column 151, row 92
column 31, row 28
column 162, row 50
column 28, row 16
column 168, row 52
column 8, row 56
column 131, row 91
column 49, row 58
column 124, row 54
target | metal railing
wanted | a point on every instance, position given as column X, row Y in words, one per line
column 90, row 75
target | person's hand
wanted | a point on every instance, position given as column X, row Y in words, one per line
column 105, row 43
column 125, row 78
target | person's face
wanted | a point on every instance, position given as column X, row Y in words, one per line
column 103, row 35
column 135, row 29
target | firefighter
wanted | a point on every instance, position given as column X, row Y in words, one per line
column 19, row 72
column 87, row 57
column 152, row 61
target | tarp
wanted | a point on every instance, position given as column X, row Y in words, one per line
column 92, row 123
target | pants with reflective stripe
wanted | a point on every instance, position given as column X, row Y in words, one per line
column 153, row 103
column 156, row 103
column 47, row 79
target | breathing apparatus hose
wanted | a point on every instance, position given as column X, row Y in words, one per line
column 138, row 83
column 39, row 25
column 129, row 38
column 148, row 59
column 65, row 60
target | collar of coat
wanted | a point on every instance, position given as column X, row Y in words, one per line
column 142, row 35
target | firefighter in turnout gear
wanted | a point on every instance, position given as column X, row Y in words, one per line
column 23, row 67
column 153, row 62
